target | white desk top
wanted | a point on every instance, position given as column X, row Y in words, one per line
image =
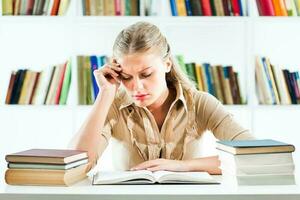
column 84, row 190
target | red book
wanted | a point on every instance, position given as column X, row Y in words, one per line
column 265, row 7
column 55, row 7
column 236, row 10
column 206, row 8
column 117, row 7
column 61, row 80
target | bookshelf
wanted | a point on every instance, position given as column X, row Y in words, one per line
column 36, row 42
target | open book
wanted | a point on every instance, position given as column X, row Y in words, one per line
column 148, row 177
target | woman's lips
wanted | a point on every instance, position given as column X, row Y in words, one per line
column 140, row 96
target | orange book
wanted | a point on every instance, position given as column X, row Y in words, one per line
column 55, row 7
column 283, row 11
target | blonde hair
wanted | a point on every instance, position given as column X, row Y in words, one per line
column 144, row 36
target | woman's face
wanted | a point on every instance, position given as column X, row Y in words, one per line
column 144, row 77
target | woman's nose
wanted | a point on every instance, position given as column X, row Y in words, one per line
column 137, row 84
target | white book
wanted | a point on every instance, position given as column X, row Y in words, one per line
column 148, row 177
column 288, row 168
column 46, row 166
column 256, row 159
column 262, row 179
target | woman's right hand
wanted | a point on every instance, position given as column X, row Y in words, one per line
column 108, row 78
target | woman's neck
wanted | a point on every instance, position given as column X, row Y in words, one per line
column 163, row 102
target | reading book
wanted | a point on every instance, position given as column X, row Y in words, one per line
column 254, row 146
column 148, row 177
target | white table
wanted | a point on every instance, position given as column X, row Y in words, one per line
column 84, row 190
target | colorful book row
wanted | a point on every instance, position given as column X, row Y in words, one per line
column 275, row 85
column 35, row 7
column 165, row 7
column 49, row 87
column 278, row 7
column 87, row 85
column 222, row 82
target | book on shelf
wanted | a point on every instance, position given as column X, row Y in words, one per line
column 50, row 86
column 46, row 167
column 148, row 177
column 257, row 162
column 254, row 146
column 221, row 81
column 35, row 7
column 165, row 7
column 275, row 85
column 278, row 7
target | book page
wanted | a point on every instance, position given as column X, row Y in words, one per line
column 183, row 177
column 123, row 177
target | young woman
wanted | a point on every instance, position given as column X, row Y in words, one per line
column 149, row 106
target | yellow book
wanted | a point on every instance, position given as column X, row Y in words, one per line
column 63, row 7
column 7, row 7
column 277, row 101
column 30, row 86
column 297, row 2
column 219, row 7
column 204, row 79
column 199, row 77
column 181, row 9
column 217, row 83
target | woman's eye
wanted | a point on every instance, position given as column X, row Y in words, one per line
column 146, row 75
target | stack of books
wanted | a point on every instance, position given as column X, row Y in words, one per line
column 257, row 162
column 46, row 167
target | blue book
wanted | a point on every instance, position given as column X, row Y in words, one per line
column 254, row 146
column 173, row 7
column 188, row 8
column 208, row 74
column 94, row 66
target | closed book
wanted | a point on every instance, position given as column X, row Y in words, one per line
column 261, row 179
column 250, row 169
column 256, row 159
column 54, row 156
column 10, row 87
column 254, row 146
column 196, row 7
column 45, row 176
column 173, row 8
column 236, row 10
column 181, row 7
column 226, row 5
column 206, row 8
column 265, row 7
column 66, row 84
column 188, row 7
column 55, row 7
column 7, row 7
column 63, row 7
column 47, row 166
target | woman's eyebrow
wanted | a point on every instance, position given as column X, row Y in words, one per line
column 139, row 71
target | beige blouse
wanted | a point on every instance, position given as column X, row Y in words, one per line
column 189, row 116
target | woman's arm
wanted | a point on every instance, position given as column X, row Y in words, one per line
column 88, row 138
column 207, row 164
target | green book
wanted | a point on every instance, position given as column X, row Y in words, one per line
column 66, row 84
column 254, row 146
column 80, row 80
column 180, row 60
column 190, row 69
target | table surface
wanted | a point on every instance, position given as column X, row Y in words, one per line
column 85, row 190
